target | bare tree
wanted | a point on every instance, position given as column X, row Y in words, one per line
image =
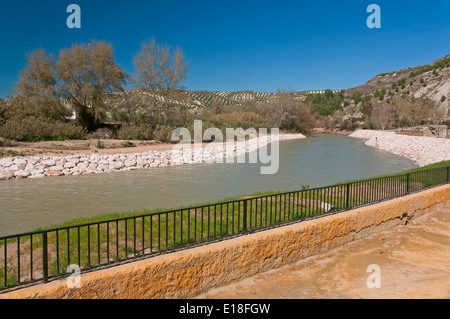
column 36, row 89
column 85, row 72
column 382, row 114
column 159, row 69
column 287, row 112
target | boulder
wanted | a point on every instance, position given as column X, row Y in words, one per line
column 6, row 162
column 49, row 162
column 22, row 173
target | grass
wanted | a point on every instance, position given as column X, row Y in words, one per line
column 417, row 169
column 99, row 240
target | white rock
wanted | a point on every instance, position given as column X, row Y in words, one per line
column 116, row 165
column 49, row 162
column 20, row 162
column 12, row 168
column 22, row 173
column 37, row 176
column 70, row 164
column 6, row 162
column 30, row 167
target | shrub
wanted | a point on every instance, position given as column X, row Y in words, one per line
column 135, row 132
column 32, row 129
column 443, row 98
column 128, row 144
column 103, row 133
column 163, row 133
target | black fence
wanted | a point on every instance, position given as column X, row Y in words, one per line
column 42, row 255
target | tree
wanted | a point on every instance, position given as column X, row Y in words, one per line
column 286, row 112
column 85, row 73
column 159, row 68
column 304, row 121
column 357, row 97
column 36, row 89
column 413, row 112
column 382, row 114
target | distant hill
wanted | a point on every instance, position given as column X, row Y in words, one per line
column 425, row 81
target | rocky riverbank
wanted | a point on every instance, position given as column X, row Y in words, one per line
column 47, row 166
column 422, row 150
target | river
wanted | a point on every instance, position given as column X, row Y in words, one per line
column 27, row 204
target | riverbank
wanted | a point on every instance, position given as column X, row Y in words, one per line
column 422, row 150
column 113, row 160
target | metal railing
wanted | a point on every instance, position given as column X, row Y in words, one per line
column 42, row 255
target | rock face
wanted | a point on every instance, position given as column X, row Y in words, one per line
column 46, row 166
column 422, row 150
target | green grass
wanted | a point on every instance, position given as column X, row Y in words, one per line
column 435, row 165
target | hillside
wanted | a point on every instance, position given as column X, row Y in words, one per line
column 425, row 81
column 367, row 105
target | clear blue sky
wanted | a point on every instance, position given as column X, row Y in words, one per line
column 239, row 45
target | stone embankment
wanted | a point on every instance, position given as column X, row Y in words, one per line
column 422, row 150
column 47, row 166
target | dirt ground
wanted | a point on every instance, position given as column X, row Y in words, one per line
column 413, row 261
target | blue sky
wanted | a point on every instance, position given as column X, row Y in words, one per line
column 239, row 45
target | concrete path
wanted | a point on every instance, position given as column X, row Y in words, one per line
column 408, row 261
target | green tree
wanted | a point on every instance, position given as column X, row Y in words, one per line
column 357, row 97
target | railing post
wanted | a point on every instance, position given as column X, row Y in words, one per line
column 448, row 174
column 347, row 201
column 245, row 217
column 44, row 258
column 407, row 183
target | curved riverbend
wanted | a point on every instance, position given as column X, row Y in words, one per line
column 317, row 161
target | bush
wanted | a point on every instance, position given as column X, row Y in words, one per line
column 33, row 129
column 128, row 144
column 163, row 133
column 101, row 134
column 135, row 132
column 443, row 98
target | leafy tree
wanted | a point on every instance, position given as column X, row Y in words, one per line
column 327, row 103
column 357, row 97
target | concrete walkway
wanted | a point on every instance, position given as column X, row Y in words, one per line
column 413, row 261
